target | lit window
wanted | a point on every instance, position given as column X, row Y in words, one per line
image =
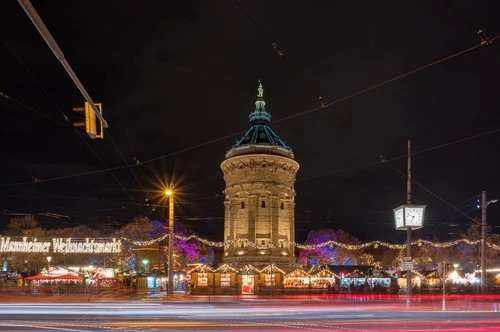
column 202, row 279
column 269, row 280
column 225, row 279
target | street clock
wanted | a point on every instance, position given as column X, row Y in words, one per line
column 409, row 216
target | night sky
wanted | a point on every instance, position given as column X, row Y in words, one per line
column 177, row 81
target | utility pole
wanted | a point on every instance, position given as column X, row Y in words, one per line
column 443, row 276
column 408, row 230
column 484, row 287
column 484, row 225
column 171, row 263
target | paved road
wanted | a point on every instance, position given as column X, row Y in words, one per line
column 254, row 314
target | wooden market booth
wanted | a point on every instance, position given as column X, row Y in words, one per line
column 225, row 280
column 202, row 280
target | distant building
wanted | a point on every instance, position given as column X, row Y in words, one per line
column 260, row 173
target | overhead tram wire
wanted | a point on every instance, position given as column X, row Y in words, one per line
column 54, row 47
column 427, row 190
column 3, row 95
column 108, row 76
column 119, row 108
column 373, row 87
column 81, row 137
column 404, row 156
column 485, row 40
column 59, row 123
column 38, row 22
column 469, row 23
column 283, row 56
column 33, row 77
column 61, row 58
column 291, row 117
column 340, row 100
column 387, row 81
column 115, row 145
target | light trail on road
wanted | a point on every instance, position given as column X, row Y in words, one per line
column 264, row 315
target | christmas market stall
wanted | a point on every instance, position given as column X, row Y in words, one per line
column 248, row 278
column 270, row 277
column 55, row 276
column 104, row 277
column 225, row 280
column 202, row 280
column 297, row 278
column 56, row 282
column 322, row 277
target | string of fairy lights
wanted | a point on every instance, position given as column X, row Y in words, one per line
column 331, row 243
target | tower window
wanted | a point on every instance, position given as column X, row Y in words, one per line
column 242, row 205
column 282, row 206
column 263, row 204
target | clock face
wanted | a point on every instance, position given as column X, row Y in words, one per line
column 414, row 216
column 398, row 216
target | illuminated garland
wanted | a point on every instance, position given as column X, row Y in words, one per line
column 333, row 243
column 330, row 243
column 145, row 243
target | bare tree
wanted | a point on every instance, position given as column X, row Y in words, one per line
column 26, row 226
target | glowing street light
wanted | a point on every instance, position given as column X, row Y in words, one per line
column 48, row 264
column 170, row 287
column 145, row 262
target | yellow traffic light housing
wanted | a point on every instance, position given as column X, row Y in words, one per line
column 90, row 123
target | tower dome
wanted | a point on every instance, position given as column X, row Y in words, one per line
column 260, row 138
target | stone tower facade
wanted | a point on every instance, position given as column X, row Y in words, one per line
column 260, row 173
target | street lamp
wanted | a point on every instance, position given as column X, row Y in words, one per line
column 484, row 205
column 145, row 262
column 48, row 264
column 170, row 285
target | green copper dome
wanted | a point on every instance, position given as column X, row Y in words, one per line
column 260, row 138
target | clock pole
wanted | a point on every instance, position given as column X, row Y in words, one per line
column 408, row 229
column 409, row 217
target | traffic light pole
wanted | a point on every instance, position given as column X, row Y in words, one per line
column 47, row 36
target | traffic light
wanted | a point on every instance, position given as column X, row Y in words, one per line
column 90, row 123
column 396, row 274
column 444, row 268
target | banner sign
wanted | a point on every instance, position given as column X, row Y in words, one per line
column 61, row 245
